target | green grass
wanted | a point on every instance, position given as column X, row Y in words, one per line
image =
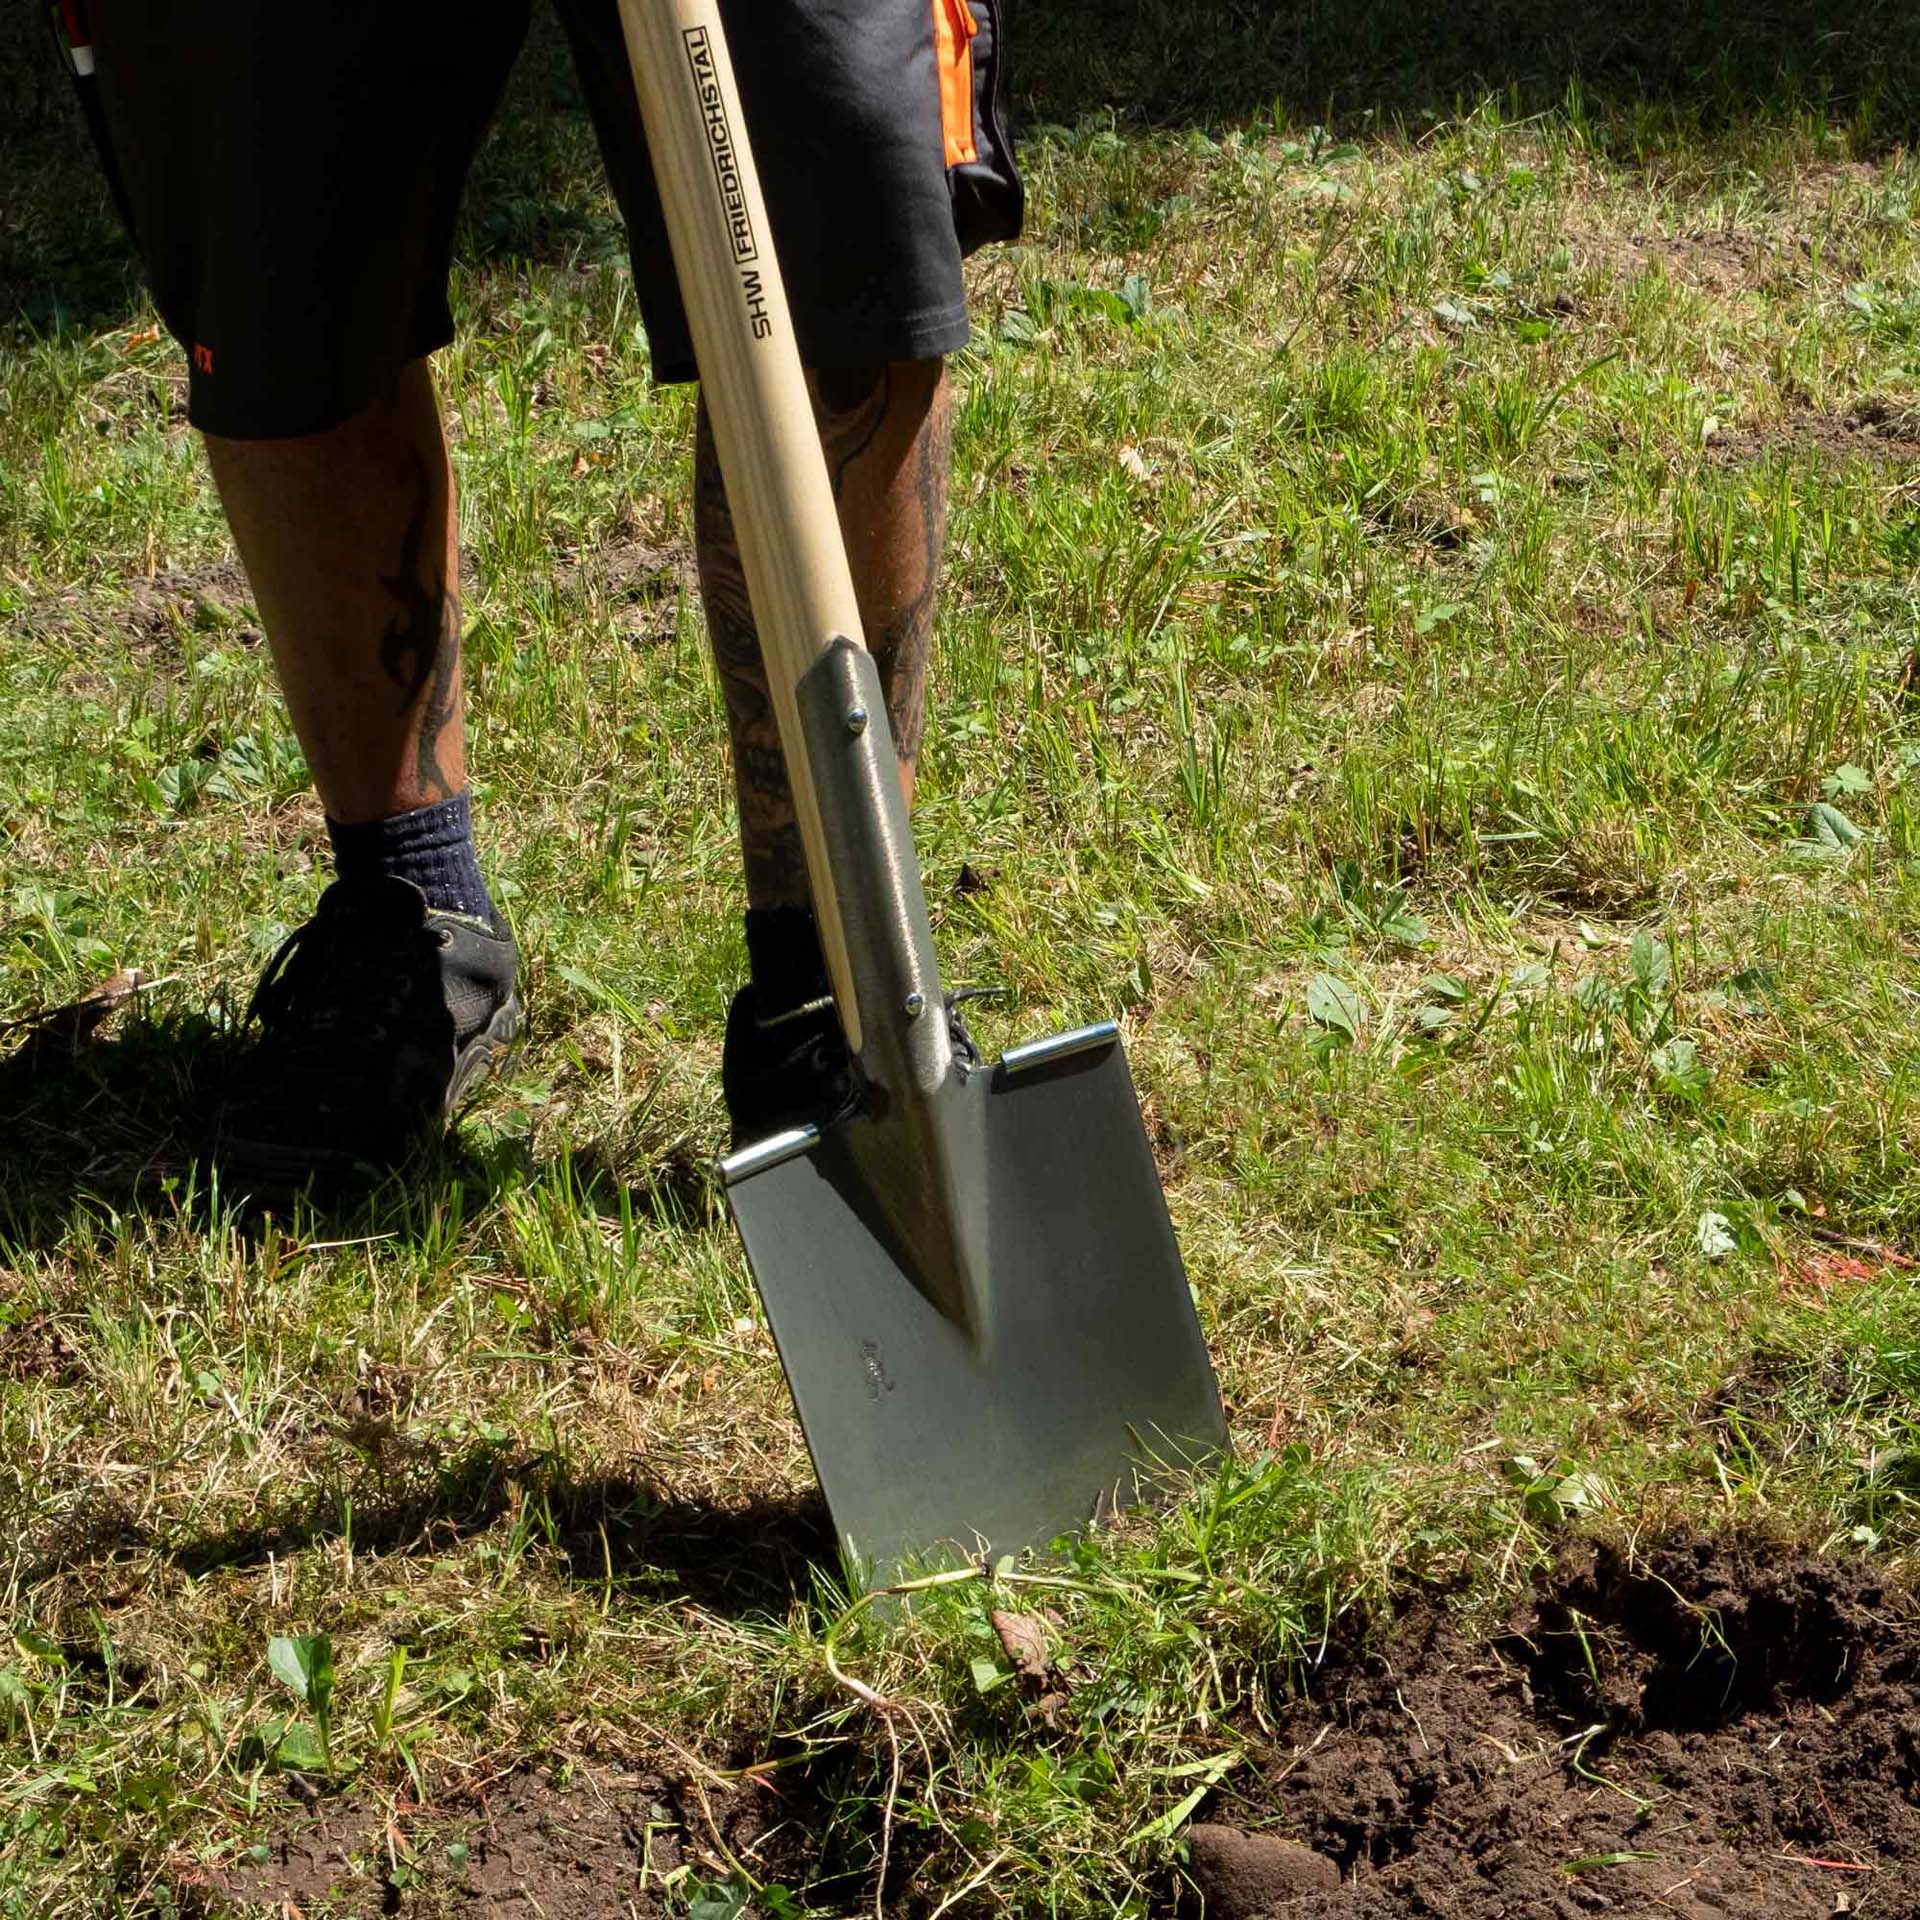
column 1432, row 591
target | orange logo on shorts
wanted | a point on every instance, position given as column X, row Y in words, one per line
column 202, row 358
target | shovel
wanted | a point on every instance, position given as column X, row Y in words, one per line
column 972, row 1280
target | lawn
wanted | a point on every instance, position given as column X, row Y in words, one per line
column 1428, row 643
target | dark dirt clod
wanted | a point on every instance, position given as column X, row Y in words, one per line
column 1708, row 1729
column 1245, row 1876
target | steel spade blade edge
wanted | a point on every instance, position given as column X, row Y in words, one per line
column 1074, row 1378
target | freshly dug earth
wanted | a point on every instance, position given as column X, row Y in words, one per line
column 1706, row 1730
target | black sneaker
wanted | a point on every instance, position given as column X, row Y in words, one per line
column 794, row 1070
column 790, row 1070
column 376, row 1019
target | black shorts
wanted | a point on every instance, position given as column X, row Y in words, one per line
column 291, row 173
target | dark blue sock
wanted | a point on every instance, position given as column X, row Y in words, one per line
column 431, row 846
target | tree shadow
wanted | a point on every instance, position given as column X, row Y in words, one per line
column 64, row 258
column 536, row 193
column 1701, row 69
column 1645, row 76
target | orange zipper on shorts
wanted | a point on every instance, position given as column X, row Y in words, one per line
column 953, row 29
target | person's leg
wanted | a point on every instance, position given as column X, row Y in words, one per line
column 886, row 435
column 880, row 137
column 348, row 539
column 349, row 542
column 291, row 177
column 399, row 993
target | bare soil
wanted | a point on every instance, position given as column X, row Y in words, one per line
column 1708, row 1729
column 1873, row 429
column 1721, row 263
column 597, row 1842
column 150, row 609
column 632, row 575
column 1712, row 1729
column 638, row 580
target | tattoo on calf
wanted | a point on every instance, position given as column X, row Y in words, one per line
column 852, row 413
column 441, row 706
column 420, row 650
column 851, row 408
column 769, row 828
column 903, row 649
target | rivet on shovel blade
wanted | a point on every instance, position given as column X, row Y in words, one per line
column 916, row 1004
column 856, row 720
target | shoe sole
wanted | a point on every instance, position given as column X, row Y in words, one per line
column 485, row 1054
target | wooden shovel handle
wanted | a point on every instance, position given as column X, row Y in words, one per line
column 756, row 393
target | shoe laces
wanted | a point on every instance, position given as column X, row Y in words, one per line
column 959, row 1038
column 335, row 983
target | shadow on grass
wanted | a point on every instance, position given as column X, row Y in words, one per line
column 98, row 1126
column 98, row 1130
column 735, row 1559
column 1638, row 71
column 102, row 1125
column 1642, row 77
column 95, row 1126
column 679, row 1192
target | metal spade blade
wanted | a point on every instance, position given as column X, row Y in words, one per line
column 1059, row 1371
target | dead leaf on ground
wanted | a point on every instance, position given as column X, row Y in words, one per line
column 1023, row 1636
column 1820, row 1269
